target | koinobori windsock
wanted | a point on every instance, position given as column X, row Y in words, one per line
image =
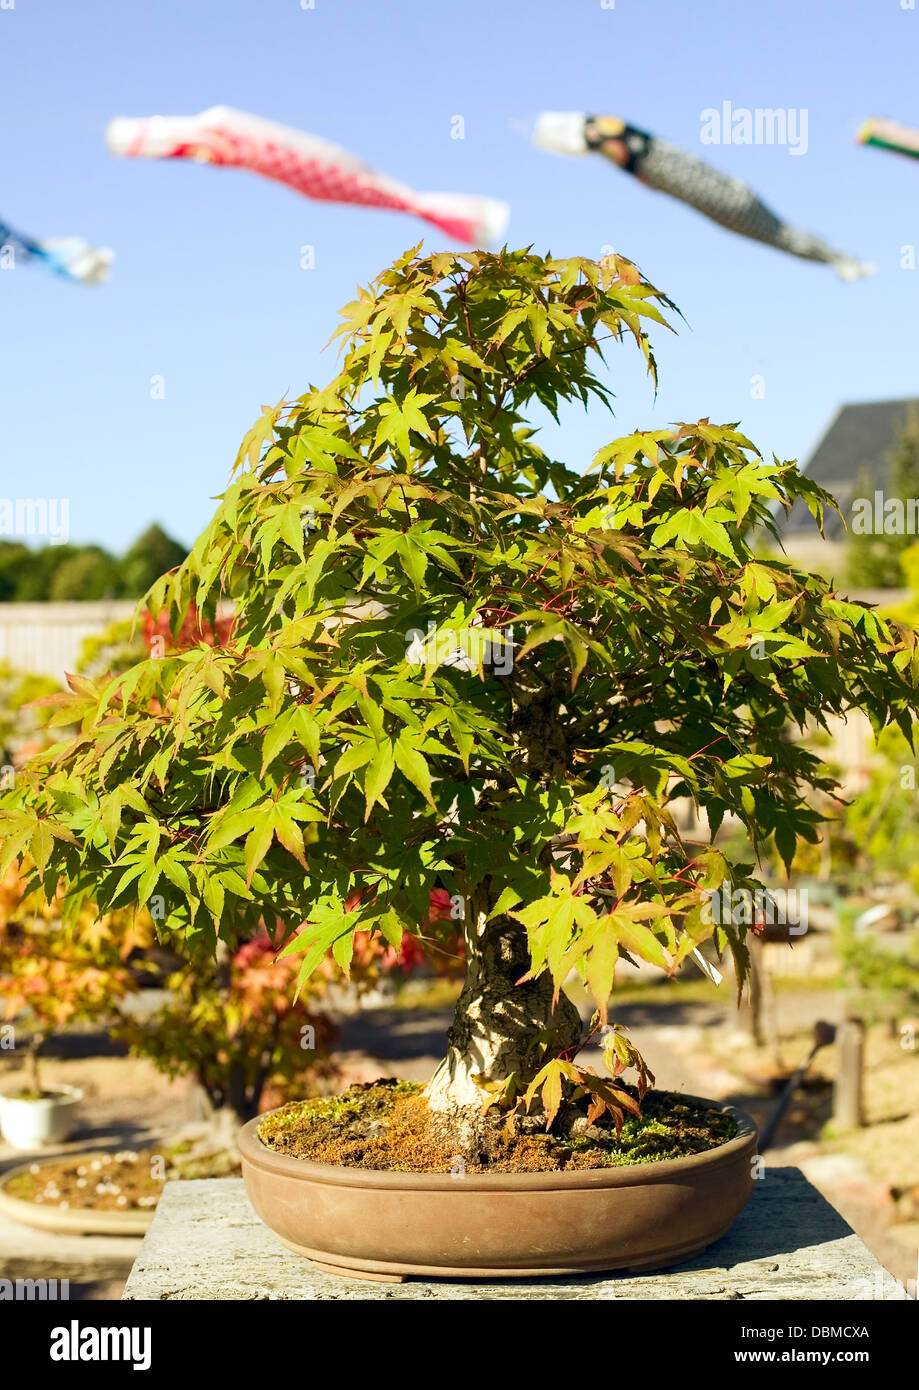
column 890, row 135
column 72, row 257
column 728, row 201
column 304, row 162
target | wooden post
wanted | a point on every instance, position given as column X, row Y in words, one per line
column 848, row 1106
column 755, row 1016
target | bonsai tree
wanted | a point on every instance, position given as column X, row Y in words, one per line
column 462, row 664
column 60, row 973
column 233, row 1025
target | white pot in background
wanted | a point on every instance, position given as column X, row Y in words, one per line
column 32, row 1124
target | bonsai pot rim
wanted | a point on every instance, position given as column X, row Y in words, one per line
column 369, row 1223
column 37, row 1123
column 259, row 1155
column 85, row 1221
column 61, row 1095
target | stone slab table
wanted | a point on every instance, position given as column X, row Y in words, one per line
column 28, row 1253
column 205, row 1242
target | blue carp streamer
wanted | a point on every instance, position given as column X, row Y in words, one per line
column 72, row 257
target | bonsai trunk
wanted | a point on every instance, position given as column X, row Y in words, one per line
column 224, row 1117
column 226, row 1099
column 757, row 1030
column 496, row 1023
column 36, row 1043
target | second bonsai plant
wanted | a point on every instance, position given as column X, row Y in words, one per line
column 52, row 975
column 460, row 664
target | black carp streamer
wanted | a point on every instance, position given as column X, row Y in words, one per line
column 728, row 201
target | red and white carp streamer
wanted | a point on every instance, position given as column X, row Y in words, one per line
column 726, row 200
column 306, row 163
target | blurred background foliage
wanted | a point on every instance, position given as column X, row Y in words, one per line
column 71, row 573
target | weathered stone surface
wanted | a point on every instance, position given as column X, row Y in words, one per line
column 29, row 1253
column 207, row 1243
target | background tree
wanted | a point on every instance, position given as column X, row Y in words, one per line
column 458, row 663
column 152, row 554
column 21, row 725
column 55, row 973
column 88, row 575
column 13, row 556
column 69, row 573
column 232, row 1024
column 28, row 572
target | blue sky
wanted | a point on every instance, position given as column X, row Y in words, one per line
column 207, row 290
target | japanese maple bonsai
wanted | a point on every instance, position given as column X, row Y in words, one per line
column 52, row 975
column 461, row 664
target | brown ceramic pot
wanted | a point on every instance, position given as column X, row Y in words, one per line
column 372, row 1224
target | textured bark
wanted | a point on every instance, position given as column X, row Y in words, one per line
column 498, row 1019
column 496, row 1023
column 231, row 1105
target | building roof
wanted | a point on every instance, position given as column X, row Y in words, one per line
column 859, row 441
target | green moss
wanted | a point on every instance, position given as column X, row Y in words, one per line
column 667, row 1128
column 360, row 1102
column 387, row 1125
